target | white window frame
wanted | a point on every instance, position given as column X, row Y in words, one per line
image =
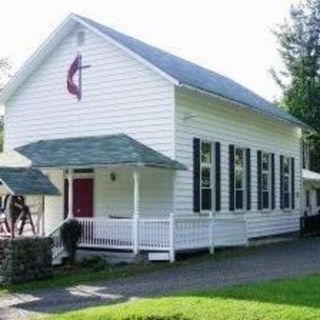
column 288, row 175
column 244, row 180
column 210, row 166
column 269, row 173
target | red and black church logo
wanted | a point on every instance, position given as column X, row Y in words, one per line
column 74, row 77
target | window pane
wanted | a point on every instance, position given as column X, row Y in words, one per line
column 286, row 200
column 206, row 199
column 286, row 183
column 239, row 179
column 206, row 152
column 239, row 158
column 265, row 200
column 239, row 199
column 308, row 198
column 206, row 177
column 265, row 161
column 286, row 165
column 265, row 181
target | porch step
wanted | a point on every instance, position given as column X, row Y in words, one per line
column 158, row 256
column 112, row 257
column 56, row 261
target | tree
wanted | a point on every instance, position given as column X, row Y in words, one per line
column 299, row 47
column 5, row 71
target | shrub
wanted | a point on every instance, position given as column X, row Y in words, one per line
column 94, row 263
column 70, row 234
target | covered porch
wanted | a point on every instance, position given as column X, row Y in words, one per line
column 121, row 192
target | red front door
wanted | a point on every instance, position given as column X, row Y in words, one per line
column 82, row 197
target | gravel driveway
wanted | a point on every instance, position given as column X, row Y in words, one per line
column 268, row 262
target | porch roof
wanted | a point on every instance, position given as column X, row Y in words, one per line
column 25, row 181
column 118, row 149
column 310, row 176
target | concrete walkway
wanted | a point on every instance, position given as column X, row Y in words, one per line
column 269, row 262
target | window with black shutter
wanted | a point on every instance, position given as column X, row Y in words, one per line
column 287, row 185
column 264, row 180
column 207, row 176
column 318, row 197
column 218, row 176
column 273, row 186
column 196, row 175
column 241, row 176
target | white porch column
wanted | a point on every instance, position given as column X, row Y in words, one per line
column 70, row 194
column 136, row 200
column 43, row 222
column 136, row 191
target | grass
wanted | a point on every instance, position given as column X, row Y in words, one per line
column 290, row 299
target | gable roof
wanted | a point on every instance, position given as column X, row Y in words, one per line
column 192, row 75
column 26, row 181
column 110, row 150
column 177, row 70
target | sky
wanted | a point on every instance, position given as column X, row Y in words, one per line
column 231, row 37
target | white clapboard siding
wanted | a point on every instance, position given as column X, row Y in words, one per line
column 272, row 224
column 119, row 95
column 204, row 117
column 54, row 205
column 115, row 198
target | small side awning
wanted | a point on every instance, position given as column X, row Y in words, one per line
column 25, row 181
column 310, row 176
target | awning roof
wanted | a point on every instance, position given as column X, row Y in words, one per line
column 118, row 149
column 310, row 175
column 25, row 181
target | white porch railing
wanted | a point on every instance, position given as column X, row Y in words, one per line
column 57, row 247
column 163, row 234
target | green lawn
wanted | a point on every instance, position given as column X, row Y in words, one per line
column 289, row 299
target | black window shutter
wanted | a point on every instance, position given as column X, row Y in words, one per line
column 259, row 180
column 318, row 197
column 281, row 183
column 231, row 177
column 248, row 178
column 273, row 186
column 218, row 176
column 196, row 175
column 293, row 193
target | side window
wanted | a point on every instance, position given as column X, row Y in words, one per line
column 206, row 176
column 239, row 176
column 286, row 183
column 266, row 180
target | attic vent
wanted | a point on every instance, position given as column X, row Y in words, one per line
column 80, row 38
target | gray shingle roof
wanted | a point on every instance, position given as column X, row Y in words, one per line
column 118, row 149
column 190, row 74
column 27, row 181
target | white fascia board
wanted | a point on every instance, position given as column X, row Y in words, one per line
column 36, row 58
column 7, row 187
column 242, row 106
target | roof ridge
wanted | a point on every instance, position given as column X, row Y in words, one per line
column 193, row 75
column 172, row 54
